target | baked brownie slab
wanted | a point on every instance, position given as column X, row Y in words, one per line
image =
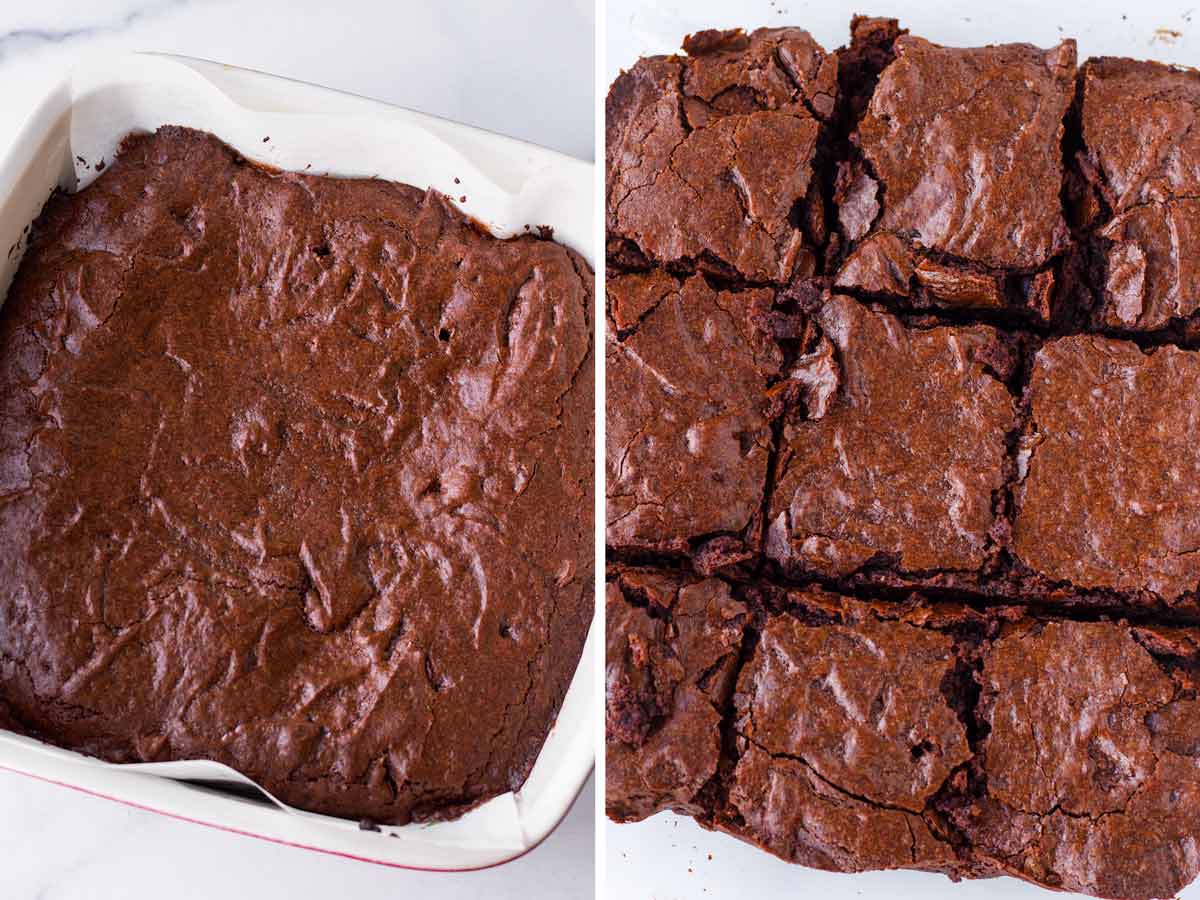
column 952, row 408
column 1107, row 494
column 900, row 469
column 708, row 155
column 294, row 476
column 1140, row 153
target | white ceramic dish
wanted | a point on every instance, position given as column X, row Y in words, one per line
column 670, row 857
column 508, row 185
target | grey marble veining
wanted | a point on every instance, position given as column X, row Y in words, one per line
column 25, row 39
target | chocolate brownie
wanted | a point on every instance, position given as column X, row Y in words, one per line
column 976, row 224
column 960, row 530
column 710, row 157
column 903, row 464
column 688, row 410
column 965, row 147
column 294, row 476
column 1139, row 159
column 847, row 731
column 1108, row 465
column 1089, row 770
column 673, row 648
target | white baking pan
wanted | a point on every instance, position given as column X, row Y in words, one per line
column 506, row 184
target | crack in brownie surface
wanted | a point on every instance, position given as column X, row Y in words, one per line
column 289, row 479
column 971, row 589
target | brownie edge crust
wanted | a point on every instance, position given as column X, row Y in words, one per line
column 295, row 475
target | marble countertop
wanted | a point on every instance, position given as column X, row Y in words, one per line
column 520, row 69
column 58, row 844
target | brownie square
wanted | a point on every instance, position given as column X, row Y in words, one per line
column 965, row 144
column 900, row 471
column 1140, row 152
column 672, row 651
column 709, row 155
column 688, row 410
column 846, row 735
column 1090, row 758
column 838, row 694
column 977, row 224
column 1107, row 496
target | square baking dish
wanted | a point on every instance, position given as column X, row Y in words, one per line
column 506, row 184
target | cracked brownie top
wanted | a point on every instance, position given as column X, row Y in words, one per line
column 295, row 476
column 965, row 145
column 958, row 507
column 870, row 734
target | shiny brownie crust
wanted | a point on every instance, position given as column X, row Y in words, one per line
column 294, row 476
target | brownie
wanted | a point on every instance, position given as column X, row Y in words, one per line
column 846, row 736
column 902, row 466
column 294, row 476
column 988, row 192
column 977, row 224
column 942, row 460
column 1138, row 157
column 1090, row 769
column 710, row 156
column 673, row 647
column 1108, row 465
column 688, row 437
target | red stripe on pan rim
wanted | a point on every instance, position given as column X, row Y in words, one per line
column 262, row 837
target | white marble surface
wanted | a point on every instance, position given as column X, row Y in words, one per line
column 57, row 844
column 522, row 68
column 519, row 67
